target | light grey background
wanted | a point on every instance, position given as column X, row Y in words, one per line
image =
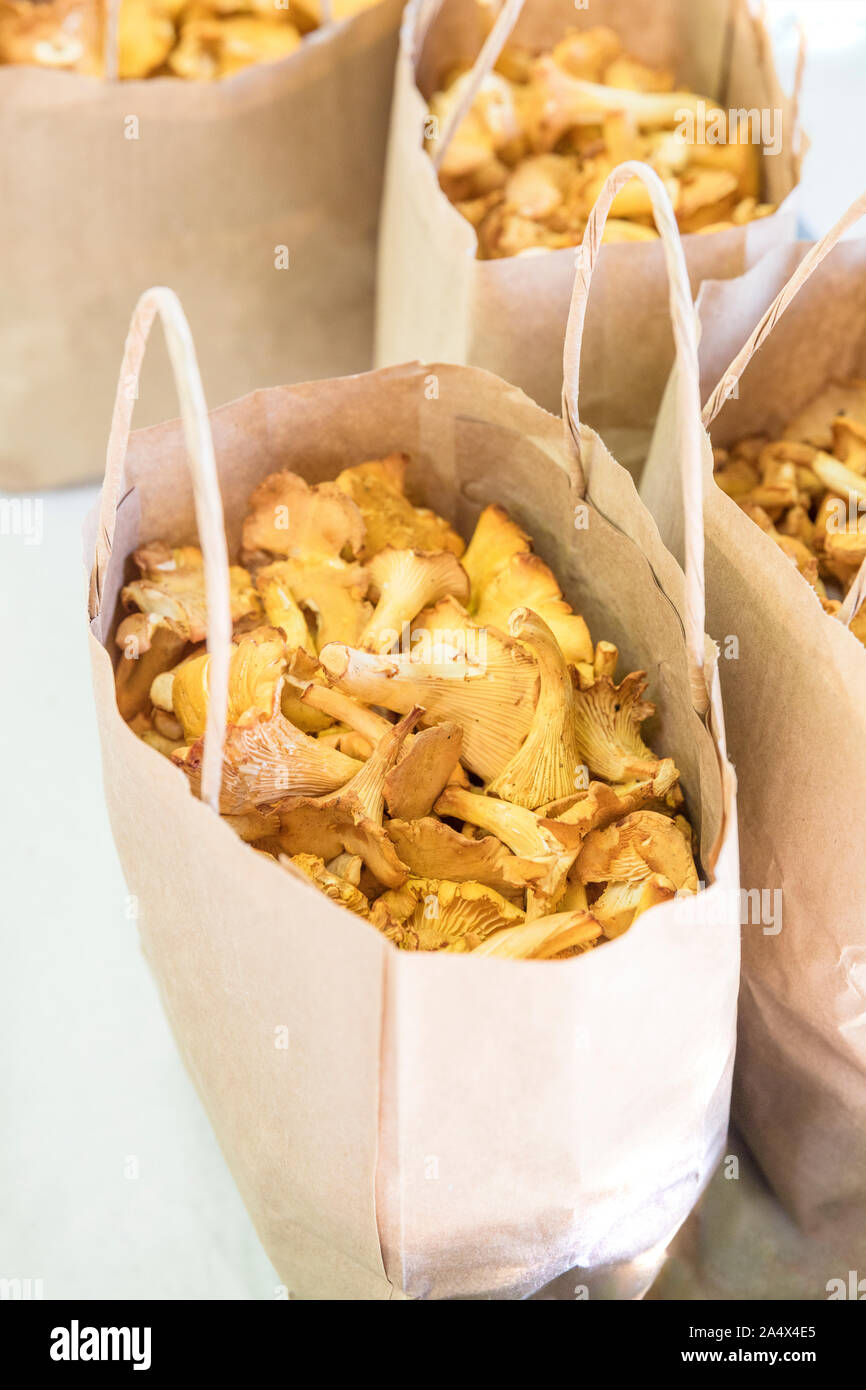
column 91, row 1087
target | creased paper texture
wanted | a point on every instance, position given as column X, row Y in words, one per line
column 255, row 197
column 795, row 701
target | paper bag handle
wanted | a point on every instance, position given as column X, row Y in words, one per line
column 481, row 69
column 687, row 405
column 717, row 398
column 206, row 496
column 809, row 264
column 111, row 40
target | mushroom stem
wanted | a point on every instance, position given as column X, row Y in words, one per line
column 407, row 581
column 344, row 710
column 838, row 478
column 515, row 826
column 491, row 698
column 368, row 785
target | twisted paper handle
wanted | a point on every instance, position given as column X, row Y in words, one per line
column 784, row 298
column 481, row 68
column 687, row 383
column 111, row 50
column 206, row 494
column 807, row 267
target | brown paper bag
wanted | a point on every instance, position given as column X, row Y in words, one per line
column 436, row 1126
column 256, row 197
column 795, row 696
column 435, row 300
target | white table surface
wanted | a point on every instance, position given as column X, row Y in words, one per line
column 91, row 1084
column 91, row 1078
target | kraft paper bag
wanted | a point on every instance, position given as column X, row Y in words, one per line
column 255, row 196
column 795, row 698
column 434, row 299
column 438, row 1126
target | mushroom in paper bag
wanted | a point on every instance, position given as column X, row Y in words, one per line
column 438, row 787
column 532, row 153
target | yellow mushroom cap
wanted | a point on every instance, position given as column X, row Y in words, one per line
column 172, row 586
column 289, row 517
column 390, row 518
column 408, row 581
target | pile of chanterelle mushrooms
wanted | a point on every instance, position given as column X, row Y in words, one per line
column 529, row 160
column 195, row 39
column 423, row 728
column 807, row 490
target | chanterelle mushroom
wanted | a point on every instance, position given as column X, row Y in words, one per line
column 606, row 722
column 149, row 645
column 527, row 582
column 561, row 934
column 491, row 124
column 390, row 518
column 281, row 608
column 433, row 850
column 265, row 759
column 65, row 35
column 849, row 443
column 544, row 188
column 545, row 130
column 529, row 836
column 424, row 770
column 428, row 760
column 407, row 581
column 217, row 47
column 621, row 904
column 548, row 760
column 521, row 830
column 588, row 53
column 806, row 489
column 350, row 820
column 256, row 667
column 200, row 42
column 631, row 849
column 435, row 915
column 288, row 517
column 571, row 819
column 315, row 600
column 340, row 890
column 490, row 695
column 495, row 540
column 145, row 37
column 343, row 709
column 549, row 864
column 172, row 586
column 505, row 575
